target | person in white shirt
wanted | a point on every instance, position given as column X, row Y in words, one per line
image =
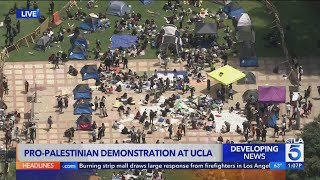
column 288, row 108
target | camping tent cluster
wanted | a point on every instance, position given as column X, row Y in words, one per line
column 82, row 106
column 79, row 47
column 245, row 34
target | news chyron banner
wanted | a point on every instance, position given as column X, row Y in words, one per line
column 162, row 156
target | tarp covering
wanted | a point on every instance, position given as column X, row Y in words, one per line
column 89, row 72
column 42, row 43
column 78, row 52
column 233, row 9
column 272, row 94
column 79, row 40
column 118, row 8
column 146, row 2
column 82, row 106
column 124, row 41
column 206, row 29
column 90, row 23
column 84, row 123
column 226, row 75
column 244, row 20
column 245, row 33
column 82, row 91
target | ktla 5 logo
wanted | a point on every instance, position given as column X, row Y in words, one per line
column 294, row 152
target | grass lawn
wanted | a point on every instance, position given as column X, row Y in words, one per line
column 261, row 18
column 169, row 174
column 303, row 37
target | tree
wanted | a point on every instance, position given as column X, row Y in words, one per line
column 311, row 137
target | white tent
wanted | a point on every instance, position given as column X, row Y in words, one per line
column 170, row 39
column 244, row 20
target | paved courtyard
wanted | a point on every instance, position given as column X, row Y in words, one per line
column 49, row 81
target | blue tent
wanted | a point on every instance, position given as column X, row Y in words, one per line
column 146, row 2
column 82, row 106
column 79, row 39
column 233, row 9
column 90, row 24
column 82, row 91
column 78, row 52
column 89, row 72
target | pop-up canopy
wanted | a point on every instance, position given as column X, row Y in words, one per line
column 226, row 75
column 272, row 94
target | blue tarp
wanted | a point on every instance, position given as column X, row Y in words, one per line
column 124, row 41
column 146, row 2
column 273, row 121
column 233, row 9
column 235, row 13
column 82, row 107
column 89, row 72
column 249, row 62
column 79, row 40
column 90, row 24
column 78, row 52
column 82, row 91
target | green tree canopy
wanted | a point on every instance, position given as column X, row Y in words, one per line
column 311, row 138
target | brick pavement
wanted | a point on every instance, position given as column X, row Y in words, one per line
column 49, row 81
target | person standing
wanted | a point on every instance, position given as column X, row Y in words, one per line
column 66, row 101
column 60, row 104
column 125, row 62
column 96, row 103
column 152, row 115
column 99, row 133
column 183, row 126
column 94, row 135
column 28, row 4
column 309, row 107
column 18, row 26
column 288, row 108
column 258, row 133
column 103, row 128
column 138, row 136
column 52, row 6
column 300, row 72
column 26, row 86
column 170, row 130
column 143, row 137
column 179, row 132
column 264, row 135
column 17, row 134
column 32, row 135
column 50, row 122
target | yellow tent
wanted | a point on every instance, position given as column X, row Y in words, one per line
column 226, row 75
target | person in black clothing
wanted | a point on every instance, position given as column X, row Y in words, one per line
column 8, row 33
column 35, row 5
column 99, row 133
column 258, row 133
column 125, row 62
column 152, row 115
column 18, row 26
column 28, row 4
column 52, row 6
column 264, row 135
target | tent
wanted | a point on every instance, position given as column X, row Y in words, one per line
column 249, row 79
column 124, row 41
column 90, row 23
column 118, row 8
column 82, row 106
column 243, row 20
column 248, row 57
column 226, row 75
column 233, row 9
column 79, row 39
column 248, row 93
column 78, row 52
column 89, row 72
column 245, row 33
column 146, row 2
column 42, row 43
column 170, row 39
column 206, row 29
column 82, row 91
column 84, row 123
column 272, row 94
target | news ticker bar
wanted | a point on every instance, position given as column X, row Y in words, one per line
column 157, row 165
